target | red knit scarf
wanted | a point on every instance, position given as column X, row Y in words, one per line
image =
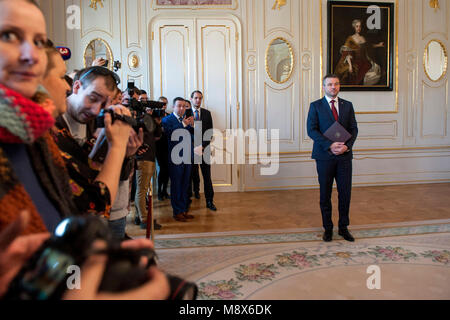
column 21, row 121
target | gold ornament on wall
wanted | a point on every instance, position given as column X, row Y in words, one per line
column 133, row 61
column 279, row 4
column 434, row 4
column 94, row 3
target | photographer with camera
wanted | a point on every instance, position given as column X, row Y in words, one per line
column 145, row 160
column 34, row 191
column 162, row 156
column 94, row 186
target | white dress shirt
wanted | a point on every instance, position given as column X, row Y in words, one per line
column 336, row 103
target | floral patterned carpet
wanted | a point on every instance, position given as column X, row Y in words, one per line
column 411, row 265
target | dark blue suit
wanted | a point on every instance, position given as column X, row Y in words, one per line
column 180, row 174
column 330, row 166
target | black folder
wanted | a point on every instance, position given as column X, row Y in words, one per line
column 337, row 133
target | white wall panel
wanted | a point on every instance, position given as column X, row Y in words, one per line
column 434, row 115
column 279, row 113
column 134, row 24
column 174, row 50
column 98, row 20
column 215, row 49
column 278, row 20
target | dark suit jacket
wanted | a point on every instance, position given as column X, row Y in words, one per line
column 320, row 118
column 207, row 123
column 170, row 124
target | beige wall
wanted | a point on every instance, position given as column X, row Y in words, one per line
column 403, row 135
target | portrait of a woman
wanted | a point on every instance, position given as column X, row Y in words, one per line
column 356, row 66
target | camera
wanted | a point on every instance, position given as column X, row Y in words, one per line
column 45, row 276
column 141, row 107
column 101, row 119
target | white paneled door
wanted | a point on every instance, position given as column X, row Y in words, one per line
column 202, row 54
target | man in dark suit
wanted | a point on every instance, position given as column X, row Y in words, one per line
column 204, row 116
column 180, row 129
column 333, row 159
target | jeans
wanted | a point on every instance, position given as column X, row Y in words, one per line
column 118, row 228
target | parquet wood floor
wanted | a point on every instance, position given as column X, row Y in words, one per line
column 289, row 209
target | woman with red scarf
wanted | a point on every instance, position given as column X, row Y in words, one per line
column 34, row 190
column 32, row 173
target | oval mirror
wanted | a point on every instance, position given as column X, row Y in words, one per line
column 435, row 60
column 98, row 48
column 279, row 60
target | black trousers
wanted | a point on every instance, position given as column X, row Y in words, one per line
column 341, row 171
column 207, row 183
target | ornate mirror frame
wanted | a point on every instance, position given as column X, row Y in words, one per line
column 291, row 57
column 425, row 57
column 108, row 53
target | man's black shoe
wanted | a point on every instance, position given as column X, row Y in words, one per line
column 137, row 220
column 346, row 235
column 127, row 237
column 156, row 225
column 160, row 197
column 210, row 205
column 197, row 195
column 328, row 236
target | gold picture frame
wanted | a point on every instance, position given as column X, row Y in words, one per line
column 361, row 44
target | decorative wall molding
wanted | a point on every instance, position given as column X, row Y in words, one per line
column 133, row 23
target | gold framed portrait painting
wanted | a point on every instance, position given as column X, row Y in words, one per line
column 361, row 44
